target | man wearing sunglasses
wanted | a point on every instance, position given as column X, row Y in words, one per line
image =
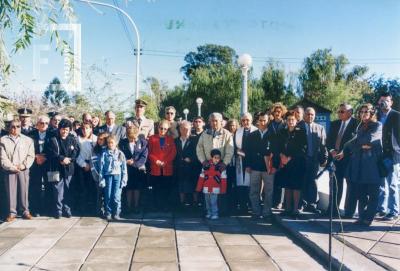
column 17, row 154
column 342, row 131
column 170, row 113
column 38, row 171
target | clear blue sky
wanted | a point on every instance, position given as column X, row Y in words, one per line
column 366, row 31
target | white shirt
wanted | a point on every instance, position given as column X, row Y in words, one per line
column 345, row 123
column 132, row 146
column 183, row 142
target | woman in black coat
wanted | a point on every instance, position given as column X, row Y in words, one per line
column 365, row 152
column 135, row 150
column 62, row 151
column 291, row 176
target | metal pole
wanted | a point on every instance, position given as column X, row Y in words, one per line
column 199, row 110
column 136, row 32
column 243, row 106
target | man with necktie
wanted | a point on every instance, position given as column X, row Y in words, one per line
column 112, row 128
column 317, row 155
column 342, row 131
column 146, row 126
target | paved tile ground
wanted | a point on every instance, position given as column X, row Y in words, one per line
column 152, row 242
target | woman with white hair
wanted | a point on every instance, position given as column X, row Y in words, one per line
column 242, row 177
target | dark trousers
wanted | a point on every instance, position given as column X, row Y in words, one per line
column 310, row 190
column 86, row 191
column 242, row 198
column 225, row 201
column 3, row 198
column 62, row 195
column 351, row 199
column 367, row 195
column 161, row 191
column 39, row 196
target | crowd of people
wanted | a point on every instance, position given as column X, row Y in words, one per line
column 269, row 159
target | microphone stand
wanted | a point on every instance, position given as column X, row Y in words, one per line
column 331, row 168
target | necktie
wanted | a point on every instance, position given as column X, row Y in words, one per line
column 339, row 137
column 309, row 140
column 139, row 121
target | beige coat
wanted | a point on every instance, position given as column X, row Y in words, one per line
column 11, row 154
column 223, row 141
column 146, row 127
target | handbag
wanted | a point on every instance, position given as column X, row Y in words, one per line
column 53, row 176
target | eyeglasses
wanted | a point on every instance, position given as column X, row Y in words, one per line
column 170, row 113
column 15, row 126
column 43, row 123
column 341, row 111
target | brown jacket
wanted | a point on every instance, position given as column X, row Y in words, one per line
column 12, row 154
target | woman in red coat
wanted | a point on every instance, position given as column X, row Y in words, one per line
column 162, row 153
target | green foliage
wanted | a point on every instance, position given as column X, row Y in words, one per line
column 272, row 82
column 178, row 98
column 381, row 85
column 28, row 19
column 55, row 96
column 152, row 107
column 325, row 80
column 208, row 55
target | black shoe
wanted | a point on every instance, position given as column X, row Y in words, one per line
column 68, row 214
column 57, row 216
column 381, row 214
column 286, row 213
column 313, row 209
column 36, row 215
column 390, row 217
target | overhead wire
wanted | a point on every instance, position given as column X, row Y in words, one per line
column 124, row 26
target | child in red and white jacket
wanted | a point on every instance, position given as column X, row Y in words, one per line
column 212, row 181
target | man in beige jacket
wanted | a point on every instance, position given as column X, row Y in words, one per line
column 17, row 154
column 215, row 138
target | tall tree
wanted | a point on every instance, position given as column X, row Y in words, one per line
column 207, row 55
column 55, row 96
column 272, row 81
column 324, row 79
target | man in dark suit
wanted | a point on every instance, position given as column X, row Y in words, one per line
column 110, row 127
column 317, row 155
column 38, row 174
column 389, row 192
column 342, row 131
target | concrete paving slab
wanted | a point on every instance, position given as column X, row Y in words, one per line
column 224, row 221
column 272, row 239
column 65, row 256
column 22, row 223
column 105, row 267
column 110, row 255
column 393, row 238
column 190, row 238
column 167, row 266
column 32, row 241
column 129, row 232
column 244, row 253
column 50, row 232
column 228, row 229
column 125, row 223
column 85, row 231
column 57, row 267
column 284, row 251
column 16, row 232
column 253, row 266
column 156, row 241
column 115, row 242
column 361, row 243
column 91, row 222
column 224, row 239
column 14, row 267
column 299, row 264
column 157, row 215
column 386, row 249
column 200, row 254
column 154, row 231
column 192, row 227
column 189, row 221
column 152, row 254
column 209, row 266
column 7, row 242
column 26, row 256
column 73, row 242
column 394, row 263
column 60, row 223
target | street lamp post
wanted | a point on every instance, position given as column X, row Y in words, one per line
column 89, row 2
column 244, row 62
column 199, row 101
column 186, row 112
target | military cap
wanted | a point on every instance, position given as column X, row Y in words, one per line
column 52, row 114
column 140, row 102
column 24, row 112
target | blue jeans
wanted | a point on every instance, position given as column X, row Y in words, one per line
column 112, row 195
column 389, row 192
column 211, row 200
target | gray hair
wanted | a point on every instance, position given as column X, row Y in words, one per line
column 215, row 115
column 170, row 108
column 347, row 106
column 247, row 115
column 308, row 109
column 185, row 123
column 43, row 118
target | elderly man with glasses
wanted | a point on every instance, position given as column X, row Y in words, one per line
column 342, row 131
column 170, row 113
column 38, row 172
column 17, row 154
